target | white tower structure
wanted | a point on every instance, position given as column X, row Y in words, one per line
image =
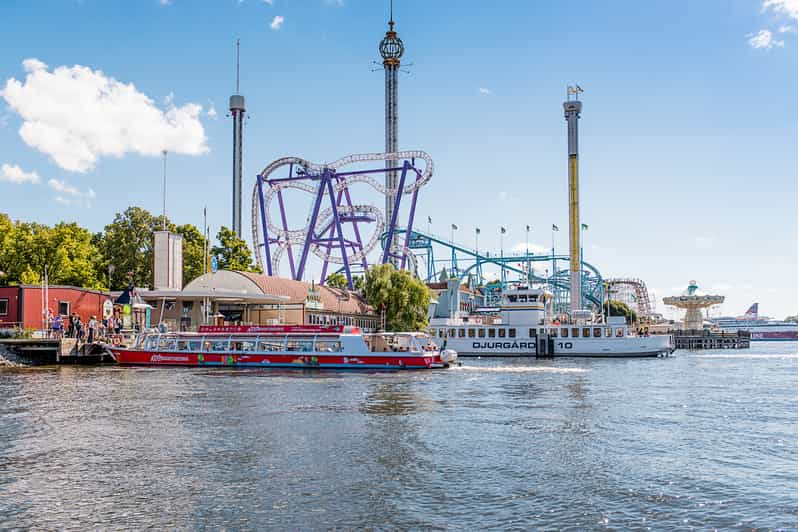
column 572, row 110
column 391, row 50
column 237, row 110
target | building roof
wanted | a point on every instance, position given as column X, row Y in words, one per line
column 297, row 292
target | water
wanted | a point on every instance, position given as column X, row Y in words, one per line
column 699, row 440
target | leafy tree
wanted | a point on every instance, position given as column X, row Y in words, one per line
column 337, row 280
column 404, row 299
column 619, row 308
column 193, row 252
column 233, row 253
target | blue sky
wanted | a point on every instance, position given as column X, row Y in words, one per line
column 687, row 134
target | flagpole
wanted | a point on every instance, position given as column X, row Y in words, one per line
column 528, row 276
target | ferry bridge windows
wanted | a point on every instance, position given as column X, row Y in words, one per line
column 481, row 333
column 502, row 333
column 471, row 333
column 511, row 333
column 586, row 332
column 596, row 332
column 564, row 332
column 461, row 333
column 491, row 333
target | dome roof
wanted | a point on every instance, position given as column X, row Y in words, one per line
column 391, row 47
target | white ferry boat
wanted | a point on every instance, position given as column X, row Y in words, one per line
column 523, row 325
column 761, row 328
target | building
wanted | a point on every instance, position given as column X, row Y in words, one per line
column 233, row 297
column 23, row 305
column 454, row 299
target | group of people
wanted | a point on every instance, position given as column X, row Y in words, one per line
column 75, row 327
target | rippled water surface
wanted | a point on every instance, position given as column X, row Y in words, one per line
column 699, row 440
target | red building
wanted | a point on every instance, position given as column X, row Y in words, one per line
column 21, row 306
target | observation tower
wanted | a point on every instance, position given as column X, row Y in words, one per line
column 693, row 301
column 391, row 49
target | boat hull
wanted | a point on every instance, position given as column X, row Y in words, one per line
column 286, row 360
column 626, row 347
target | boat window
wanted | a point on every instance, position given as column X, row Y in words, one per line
column 442, row 333
column 502, row 333
column 451, row 333
column 619, row 332
column 329, row 346
column 533, row 333
column 167, row 344
column 542, row 332
column 511, row 333
column 220, row 345
column 522, row 298
column 183, row 345
column 270, row 344
column 299, row 344
column 564, row 332
column 491, row 333
column 596, row 332
column 461, row 333
column 471, row 333
column 150, row 342
column 553, row 333
column 586, row 332
column 607, row 332
column 481, row 333
column 512, row 299
column 533, row 299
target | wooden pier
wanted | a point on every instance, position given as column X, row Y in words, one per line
column 48, row 351
column 694, row 340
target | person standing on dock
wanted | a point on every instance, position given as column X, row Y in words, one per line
column 71, row 327
column 92, row 328
column 58, row 326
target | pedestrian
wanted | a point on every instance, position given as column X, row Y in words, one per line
column 57, row 327
column 71, row 327
column 78, row 328
column 92, row 328
column 118, row 324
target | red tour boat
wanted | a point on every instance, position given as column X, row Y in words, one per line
column 293, row 346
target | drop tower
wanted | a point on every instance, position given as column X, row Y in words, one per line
column 238, row 110
column 573, row 109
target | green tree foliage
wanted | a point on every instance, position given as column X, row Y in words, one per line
column 126, row 247
column 619, row 308
column 404, row 299
column 338, row 280
column 793, row 319
column 233, row 253
column 193, row 252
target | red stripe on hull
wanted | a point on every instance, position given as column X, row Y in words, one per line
column 306, row 360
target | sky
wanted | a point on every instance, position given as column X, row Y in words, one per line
column 687, row 141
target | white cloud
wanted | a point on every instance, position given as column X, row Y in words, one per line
column 535, row 249
column 77, row 115
column 12, row 173
column 277, row 21
column 502, row 195
column 785, row 29
column 485, row 92
column 784, row 7
column 764, row 39
column 70, row 195
column 165, row 2
column 270, row 2
column 212, row 111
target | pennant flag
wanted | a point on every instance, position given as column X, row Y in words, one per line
column 504, row 230
column 584, row 227
column 477, row 230
column 554, row 227
column 528, row 228
column 454, row 227
column 429, row 219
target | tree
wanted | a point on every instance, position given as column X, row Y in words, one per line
column 793, row 319
column 337, row 280
column 404, row 299
column 233, row 253
column 193, row 252
column 619, row 308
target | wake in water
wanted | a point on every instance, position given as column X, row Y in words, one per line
column 746, row 357
column 518, row 369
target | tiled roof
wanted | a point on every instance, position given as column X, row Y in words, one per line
column 297, row 292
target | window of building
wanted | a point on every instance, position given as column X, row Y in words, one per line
column 3, row 307
column 491, row 333
column 511, row 333
column 596, row 332
column 471, row 333
column 461, row 333
column 481, row 333
column 502, row 332
column 564, row 332
column 63, row 308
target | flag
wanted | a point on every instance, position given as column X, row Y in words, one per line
column 454, row 227
column 429, row 219
column 554, row 227
column 504, row 230
column 528, row 228
column 584, row 227
column 477, row 230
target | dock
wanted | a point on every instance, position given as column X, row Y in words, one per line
column 694, row 340
column 49, row 351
